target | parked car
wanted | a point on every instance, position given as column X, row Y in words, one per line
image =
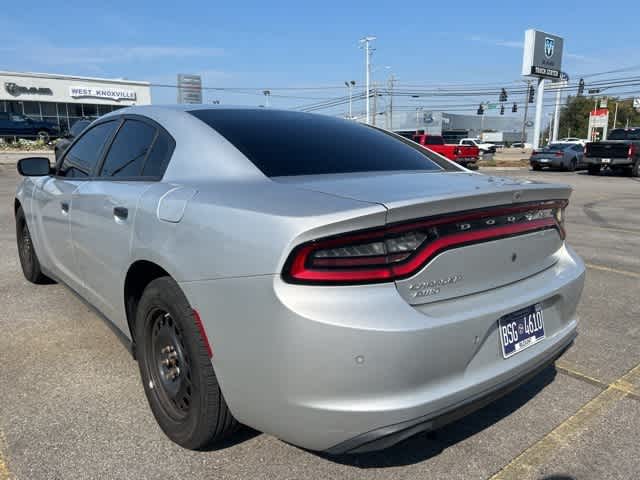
column 339, row 295
column 63, row 143
column 14, row 125
column 520, row 145
column 581, row 141
column 466, row 155
column 620, row 150
column 484, row 147
column 564, row 156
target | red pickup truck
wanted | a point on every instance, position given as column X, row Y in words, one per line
column 466, row 155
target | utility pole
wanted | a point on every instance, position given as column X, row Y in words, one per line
column 392, row 79
column 350, row 84
column 526, row 110
column 367, row 59
column 615, row 116
column 375, row 104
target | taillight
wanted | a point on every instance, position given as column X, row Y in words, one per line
column 559, row 154
column 632, row 151
column 400, row 250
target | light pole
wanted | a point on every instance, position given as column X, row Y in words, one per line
column 350, row 84
column 267, row 94
column 390, row 82
column 367, row 58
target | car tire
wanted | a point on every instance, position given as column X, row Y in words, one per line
column 635, row 169
column 27, row 253
column 573, row 165
column 43, row 135
column 176, row 370
column 593, row 169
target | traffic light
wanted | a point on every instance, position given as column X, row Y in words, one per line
column 503, row 95
column 481, row 109
column 501, row 109
column 514, row 109
column 581, row 87
column 531, row 94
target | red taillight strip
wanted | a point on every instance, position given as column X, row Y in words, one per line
column 297, row 270
column 465, row 238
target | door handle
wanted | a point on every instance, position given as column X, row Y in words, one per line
column 65, row 207
column 121, row 213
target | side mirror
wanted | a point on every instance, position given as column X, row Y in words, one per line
column 34, row 167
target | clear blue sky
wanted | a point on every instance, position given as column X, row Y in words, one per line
column 294, row 43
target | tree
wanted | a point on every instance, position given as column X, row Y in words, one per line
column 574, row 116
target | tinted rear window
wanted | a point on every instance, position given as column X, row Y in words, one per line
column 433, row 140
column 622, row 134
column 282, row 143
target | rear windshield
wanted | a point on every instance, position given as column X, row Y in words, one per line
column 559, row 146
column 429, row 140
column 622, row 134
column 282, row 143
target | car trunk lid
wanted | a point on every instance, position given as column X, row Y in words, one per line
column 459, row 201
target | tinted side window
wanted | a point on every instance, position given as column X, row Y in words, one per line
column 85, row 153
column 159, row 156
column 129, row 150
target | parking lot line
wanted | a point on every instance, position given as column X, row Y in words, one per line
column 613, row 270
column 569, row 430
column 4, row 470
column 627, row 385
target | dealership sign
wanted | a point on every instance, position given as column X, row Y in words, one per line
column 99, row 92
column 16, row 90
column 542, row 55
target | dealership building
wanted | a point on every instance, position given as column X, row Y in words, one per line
column 64, row 99
column 454, row 126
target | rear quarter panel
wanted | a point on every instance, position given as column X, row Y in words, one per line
column 236, row 229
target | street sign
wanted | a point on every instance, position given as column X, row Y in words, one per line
column 189, row 88
column 542, row 55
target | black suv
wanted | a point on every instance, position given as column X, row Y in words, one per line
column 15, row 125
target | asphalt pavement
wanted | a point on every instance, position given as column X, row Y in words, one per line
column 72, row 407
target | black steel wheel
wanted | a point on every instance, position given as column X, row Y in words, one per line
column 176, row 369
column 167, row 352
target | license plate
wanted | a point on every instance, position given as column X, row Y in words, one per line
column 521, row 329
column 606, row 160
column 544, row 160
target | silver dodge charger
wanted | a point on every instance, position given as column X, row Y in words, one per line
column 330, row 283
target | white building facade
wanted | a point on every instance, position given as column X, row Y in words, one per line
column 65, row 99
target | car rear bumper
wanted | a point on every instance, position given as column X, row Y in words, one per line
column 606, row 162
column 390, row 435
column 553, row 163
column 350, row 367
